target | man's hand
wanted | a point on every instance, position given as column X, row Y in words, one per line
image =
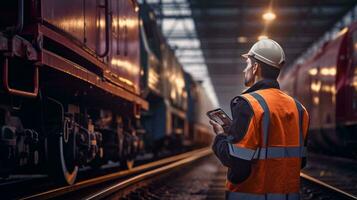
column 217, row 128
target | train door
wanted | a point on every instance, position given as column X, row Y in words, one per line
column 124, row 66
column 94, row 24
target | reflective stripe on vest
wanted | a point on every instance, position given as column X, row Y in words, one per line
column 271, row 152
column 270, row 196
column 266, row 117
column 266, row 153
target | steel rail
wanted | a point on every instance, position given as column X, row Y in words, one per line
column 325, row 185
column 117, row 175
column 141, row 177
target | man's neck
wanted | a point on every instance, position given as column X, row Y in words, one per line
column 263, row 84
column 258, row 78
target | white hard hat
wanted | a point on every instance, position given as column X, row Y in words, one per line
column 267, row 51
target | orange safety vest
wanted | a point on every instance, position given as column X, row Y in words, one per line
column 274, row 142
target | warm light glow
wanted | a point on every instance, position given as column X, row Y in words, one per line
column 329, row 89
column 354, row 82
column 313, row 72
column 69, row 24
column 269, row 16
column 172, row 94
column 124, row 80
column 343, row 31
column 316, row 100
column 131, row 23
column 261, row 37
column 242, row 39
column 126, row 65
column 153, row 78
column 315, row 86
column 328, row 71
column 100, row 23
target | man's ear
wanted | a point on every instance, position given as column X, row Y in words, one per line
column 255, row 68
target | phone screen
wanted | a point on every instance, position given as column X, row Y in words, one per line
column 220, row 117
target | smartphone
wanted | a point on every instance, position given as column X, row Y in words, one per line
column 219, row 116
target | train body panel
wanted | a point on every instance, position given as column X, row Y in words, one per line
column 324, row 83
column 87, row 23
column 125, row 51
column 198, row 103
column 348, row 79
column 316, row 87
column 173, row 77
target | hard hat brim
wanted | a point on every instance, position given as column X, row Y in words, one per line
column 246, row 55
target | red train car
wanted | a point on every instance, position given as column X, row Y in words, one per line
column 326, row 83
column 70, row 73
column 77, row 81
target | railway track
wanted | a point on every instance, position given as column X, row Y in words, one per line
column 315, row 188
column 122, row 184
column 101, row 187
column 183, row 185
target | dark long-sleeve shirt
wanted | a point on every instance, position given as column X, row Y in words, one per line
column 242, row 113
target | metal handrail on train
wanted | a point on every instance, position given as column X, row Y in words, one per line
column 107, row 29
column 16, row 91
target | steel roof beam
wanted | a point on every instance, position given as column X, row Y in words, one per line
column 280, row 3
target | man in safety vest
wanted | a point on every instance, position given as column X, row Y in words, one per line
column 264, row 148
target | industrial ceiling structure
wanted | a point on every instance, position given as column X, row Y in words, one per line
column 223, row 30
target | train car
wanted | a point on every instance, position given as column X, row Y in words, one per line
column 166, row 93
column 326, row 84
column 70, row 92
column 84, row 83
column 198, row 103
column 154, row 120
column 175, row 95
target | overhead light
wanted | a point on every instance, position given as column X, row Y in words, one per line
column 242, row 39
column 262, row 37
column 269, row 16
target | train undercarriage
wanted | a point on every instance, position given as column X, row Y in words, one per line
column 55, row 123
column 63, row 137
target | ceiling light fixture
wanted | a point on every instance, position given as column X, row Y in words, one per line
column 269, row 16
column 262, row 37
column 242, row 39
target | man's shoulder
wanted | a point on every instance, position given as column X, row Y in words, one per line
column 237, row 100
column 239, row 104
